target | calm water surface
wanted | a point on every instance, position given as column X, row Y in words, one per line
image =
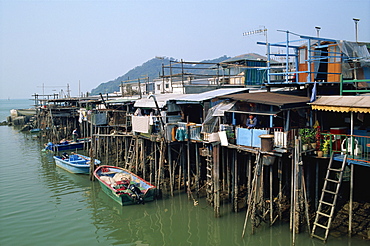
column 41, row 204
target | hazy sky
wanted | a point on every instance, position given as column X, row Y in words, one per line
column 55, row 43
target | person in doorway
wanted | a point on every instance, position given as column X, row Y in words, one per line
column 75, row 135
column 251, row 121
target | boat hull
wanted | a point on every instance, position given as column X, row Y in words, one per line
column 148, row 191
column 67, row 146
column 78, row 165
column 26, row 112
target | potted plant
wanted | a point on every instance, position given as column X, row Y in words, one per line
column 308, row 136
column 230, row 136
column 325, row 147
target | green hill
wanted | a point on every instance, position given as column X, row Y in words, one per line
column 151, row 69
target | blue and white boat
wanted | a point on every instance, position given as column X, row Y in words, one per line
column 75, row 163
column 66, row 145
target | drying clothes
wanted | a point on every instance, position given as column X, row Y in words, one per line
column 181, row 134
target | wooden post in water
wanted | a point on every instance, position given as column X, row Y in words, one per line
column 236, row 190
column 155, row 163
column 197, row 171
column 151, row 162
column 249, row 175
column 280, row 177
column 117, row 150
column 188, row 159
column 292, row 193
column 169, row 154
column 216, row 180
column 126, row 147
column 271, row 197
column 92, row 160
column 223, row 168
column 350, row 211
column 137, row 154
column 143, row 153
column 107, row 147
column 180, row 169
column 228, row 172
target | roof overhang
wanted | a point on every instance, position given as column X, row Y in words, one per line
column 283, row 101
column 343, row 104
column 269, row 113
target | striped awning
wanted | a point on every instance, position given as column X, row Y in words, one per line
column 344, row 104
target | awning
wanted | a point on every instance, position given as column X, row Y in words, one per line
column 283, row 101
column 344, row 104
column 222, row 107
column 273, row 113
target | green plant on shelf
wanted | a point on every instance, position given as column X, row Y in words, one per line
column 307, row 135
column 325, row 145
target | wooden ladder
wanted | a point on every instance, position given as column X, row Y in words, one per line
column 327, row 202
column 131, row 153
column 209, row 174
column 253, row 193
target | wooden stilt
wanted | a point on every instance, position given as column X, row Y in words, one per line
column 236, row 189
column 249, row 175
column 126, row 141
column 271, row 197
column 92, row 160
column 188, row 183
column 216, row 179
column 224, row 169
column 143, row 161
column 252, row 198
column 350, row 211
column 280, row 176
column 170, row 166
column 228, row 172
column 197, row 167
column 292, row 193
column 180, row 168
column 151, row 163
column 155, row 163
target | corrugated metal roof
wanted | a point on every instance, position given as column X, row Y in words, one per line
column 197, row 98
column 162, row 100
column 343, row 104
column 270, row 98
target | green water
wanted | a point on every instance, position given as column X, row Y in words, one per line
column 41, row 204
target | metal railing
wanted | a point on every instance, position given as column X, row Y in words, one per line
column 357, row 147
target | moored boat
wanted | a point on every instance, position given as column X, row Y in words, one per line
column 75, row 163
column 66, row 145
column 23, row 112
column 123, row 186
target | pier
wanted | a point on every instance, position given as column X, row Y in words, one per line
column 298, row 164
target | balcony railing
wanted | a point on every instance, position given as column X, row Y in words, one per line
column 356, row 147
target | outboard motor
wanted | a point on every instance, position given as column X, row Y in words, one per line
column 137, row 193
column 65, row 155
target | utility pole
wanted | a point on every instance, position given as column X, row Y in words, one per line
column 318, row 31
column 356, row 20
